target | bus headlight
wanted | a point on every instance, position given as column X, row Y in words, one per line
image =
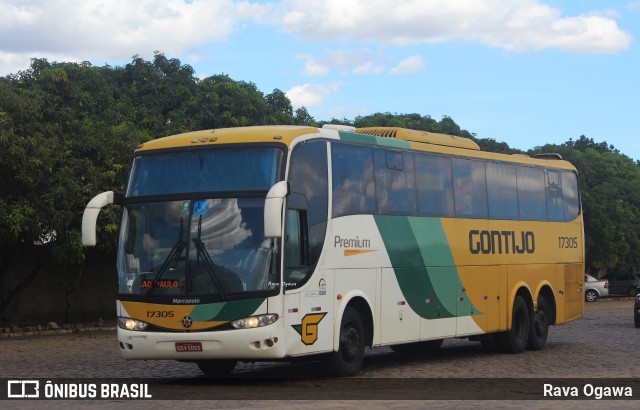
column 131, row 324
column 255, row 321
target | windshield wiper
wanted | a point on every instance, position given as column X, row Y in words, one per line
column 175, row 252
column 209, row 265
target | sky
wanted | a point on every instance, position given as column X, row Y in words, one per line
column 526, row 72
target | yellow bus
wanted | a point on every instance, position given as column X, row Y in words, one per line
column 277, row 242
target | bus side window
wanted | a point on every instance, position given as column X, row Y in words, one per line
column 502, row 191
column 354, row 189
column 570, row 195
column 395, row 182
column 296, row 266
column 309, row 200
column 555, row 201
column 532, row 198
column 470, row 188
column 434, row 184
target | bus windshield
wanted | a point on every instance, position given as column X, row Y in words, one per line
column 207, row 236
column 219, row 170
column 196, row 247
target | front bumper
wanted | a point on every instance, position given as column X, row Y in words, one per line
column 259, row 343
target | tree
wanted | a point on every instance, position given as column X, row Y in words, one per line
column 56, row 152
column 279, row 109
column 302, row 117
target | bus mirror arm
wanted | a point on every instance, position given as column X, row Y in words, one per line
column 273, row 209
column 90, row 215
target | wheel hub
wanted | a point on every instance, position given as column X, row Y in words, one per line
column 350, row 344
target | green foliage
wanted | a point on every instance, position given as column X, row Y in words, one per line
column 302, row 117
column 68, row 250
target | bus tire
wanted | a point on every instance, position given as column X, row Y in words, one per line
column 347, row 361
column 217, row 368
column 515, row 340
column 539, row 329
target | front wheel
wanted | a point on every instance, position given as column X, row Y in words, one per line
column 347, row 361
column 515, row 340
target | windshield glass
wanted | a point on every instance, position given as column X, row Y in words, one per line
column 196, row 247
column 219, row 170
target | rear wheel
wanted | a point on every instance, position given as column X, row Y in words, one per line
column 591, row 295
column 217, row 368
column 515, row 340
column 347, row 361
column 539, row 329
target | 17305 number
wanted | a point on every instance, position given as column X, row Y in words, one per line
column 567, row 242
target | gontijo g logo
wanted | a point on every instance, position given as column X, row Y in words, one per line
column 308, row 329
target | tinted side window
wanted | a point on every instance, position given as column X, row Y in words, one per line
column 306, row 222
column 470, row 188
column 434, row 183
column 297, row 267
column 570, row 196
column 293, row 245
column 395, row 185
column 502, row 190
column 555, row 201
column 353, row 183
column 308, row 176
column 531, row 193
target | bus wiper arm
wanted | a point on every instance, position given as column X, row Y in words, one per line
column 209, row 265
column 175, row 251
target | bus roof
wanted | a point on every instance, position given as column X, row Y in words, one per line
column 385, row 136
column 420, row 136
column 266, row 133
column 458, row 146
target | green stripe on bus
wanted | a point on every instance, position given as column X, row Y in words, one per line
column 369, row 139
column 434, row 247
column 424, row 266
column 232, row 310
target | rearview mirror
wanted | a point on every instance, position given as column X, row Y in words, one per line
column 273, row 210
column 90, row 215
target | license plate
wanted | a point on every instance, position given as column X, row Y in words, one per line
column 188, row 347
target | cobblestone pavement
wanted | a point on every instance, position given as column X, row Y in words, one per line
column 603, row 344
